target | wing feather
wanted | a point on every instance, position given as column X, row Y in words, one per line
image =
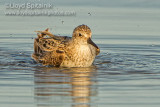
column 48, row 50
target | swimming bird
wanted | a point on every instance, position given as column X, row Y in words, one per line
column 62, row 51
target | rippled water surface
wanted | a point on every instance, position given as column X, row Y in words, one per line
column 125, row 74
column 122, row 75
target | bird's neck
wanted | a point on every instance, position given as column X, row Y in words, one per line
column 79, row 41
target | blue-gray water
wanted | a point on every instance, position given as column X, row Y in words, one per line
column 125, row 74
column 122, row 75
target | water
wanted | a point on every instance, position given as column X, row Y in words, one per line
column 125, row 74
column 122, row 75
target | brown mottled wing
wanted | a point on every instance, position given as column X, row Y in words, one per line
column 49, row 51
column 54, row 58
column 48, row 44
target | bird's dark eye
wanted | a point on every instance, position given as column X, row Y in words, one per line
column 80, row 34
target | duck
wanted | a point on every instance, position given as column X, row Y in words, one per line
column 63, row 51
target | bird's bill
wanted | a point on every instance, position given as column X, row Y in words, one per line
column 93, row 44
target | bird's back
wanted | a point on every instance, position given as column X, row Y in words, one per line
column 49, row 50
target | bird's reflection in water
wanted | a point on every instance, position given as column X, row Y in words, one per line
column 73, row 87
